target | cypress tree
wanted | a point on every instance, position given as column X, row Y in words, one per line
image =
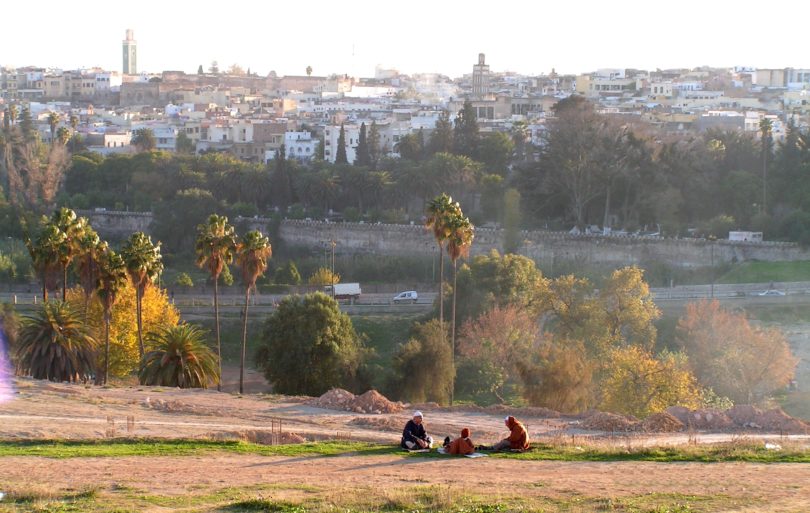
column 340, row 156
column 362, row 157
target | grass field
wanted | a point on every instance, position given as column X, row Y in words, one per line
column 766, row 272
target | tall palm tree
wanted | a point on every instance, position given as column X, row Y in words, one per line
column 459, row 242
column 252, row 254
column 439, row 211
column 53, row 121
column 89, row 250
column 144, row 265
column 46, row 256
column 112, row 278
column 178, row 358
column 72, row 226
column 74, row 122
column 55, row 344
column 63, row 135
column 215, row 246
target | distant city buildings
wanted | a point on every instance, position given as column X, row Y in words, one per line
column 252, row 116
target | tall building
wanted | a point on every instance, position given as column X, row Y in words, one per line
column 480, row 78
column 130, row 54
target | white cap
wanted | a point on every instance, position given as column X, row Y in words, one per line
column 417, row 413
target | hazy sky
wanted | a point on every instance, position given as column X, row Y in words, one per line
column 410, row 35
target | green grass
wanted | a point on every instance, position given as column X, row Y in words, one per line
column 766, row 272
column 742, row 451
column 159, row 447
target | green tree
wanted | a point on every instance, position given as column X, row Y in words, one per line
column 362, row 157
column 511, row 220
column 200, row 70
column 89, row 248
column 309, row 346
column 184, row 144
column 766, row 141
column 53, row 122
column 184, row 280
column 215, row 249
column 46, row 255
column 252, row 254
column 281, row 184
column 441, row 140
column 144, row 139
column 465, row 132
column 374, row 148
column 112, row 279
column 495, row 152
column 144, row 264
column 423, row 366
column 73, row 227
column 178, row 357
column 26, row 124
column 54, row 344
column 440, row 211
column 63, row 135
column 340, row 156
column 458, row 245
column 287, row 274
column 323, row 276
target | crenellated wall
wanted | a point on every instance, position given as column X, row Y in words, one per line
column 544, row 247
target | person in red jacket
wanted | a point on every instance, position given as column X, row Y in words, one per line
column 462, row 445
column 518, row 438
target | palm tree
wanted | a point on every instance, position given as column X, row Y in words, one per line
column 458, row 245
column 72, row 226
column 252, row 254
column 216, row 244
column 74, row 122
column 178, row 358
column 439, row 211
column 12, row 113
column 144, row 265
column 63, row 135
column 46, row 256
column 53, row 121
column 112, row 278
column 55, row 344
column 89, row 248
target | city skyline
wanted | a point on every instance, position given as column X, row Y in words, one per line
column 423, row 37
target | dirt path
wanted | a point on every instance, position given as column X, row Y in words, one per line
column 780, row 486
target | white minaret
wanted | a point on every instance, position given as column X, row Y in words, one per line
column 130, row 54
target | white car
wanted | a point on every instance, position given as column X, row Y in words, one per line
column 409, row 296
column 771, row 292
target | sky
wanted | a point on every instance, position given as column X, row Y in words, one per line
column 441, row 36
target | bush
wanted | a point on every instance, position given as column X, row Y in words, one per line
column 423, row 366
column 309, row 346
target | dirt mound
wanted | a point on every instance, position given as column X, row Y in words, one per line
column 778, row 420
column 744, row 415
column 602, row 421
column 175, row 406
column 370, row 402
column 661, row 423
column 334, row 399
column 380, row 423
column 710, row 419
column 374, row 402
column 260, row 437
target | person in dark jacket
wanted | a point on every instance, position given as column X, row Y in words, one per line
column 414, row 436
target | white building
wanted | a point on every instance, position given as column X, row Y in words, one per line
column 298, row 145
column 331, row 135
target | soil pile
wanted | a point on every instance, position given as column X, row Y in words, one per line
column 743, row 416
column 661, row 423
column 374, row 402
column 175, row 406
column 602, row 421
column 380, row 423
column 778, row 420
column 334, row 399
column 701, row 419
column 370, row 402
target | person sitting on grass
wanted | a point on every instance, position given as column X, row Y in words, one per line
column 518, row 439
column 414, row 436
column 462, row 445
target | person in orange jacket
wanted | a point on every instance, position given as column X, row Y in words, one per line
column 462, row 445
column 518, row 438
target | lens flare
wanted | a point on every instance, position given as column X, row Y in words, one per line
column 6, row 390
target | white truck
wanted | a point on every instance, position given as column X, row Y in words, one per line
column 350, row 291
